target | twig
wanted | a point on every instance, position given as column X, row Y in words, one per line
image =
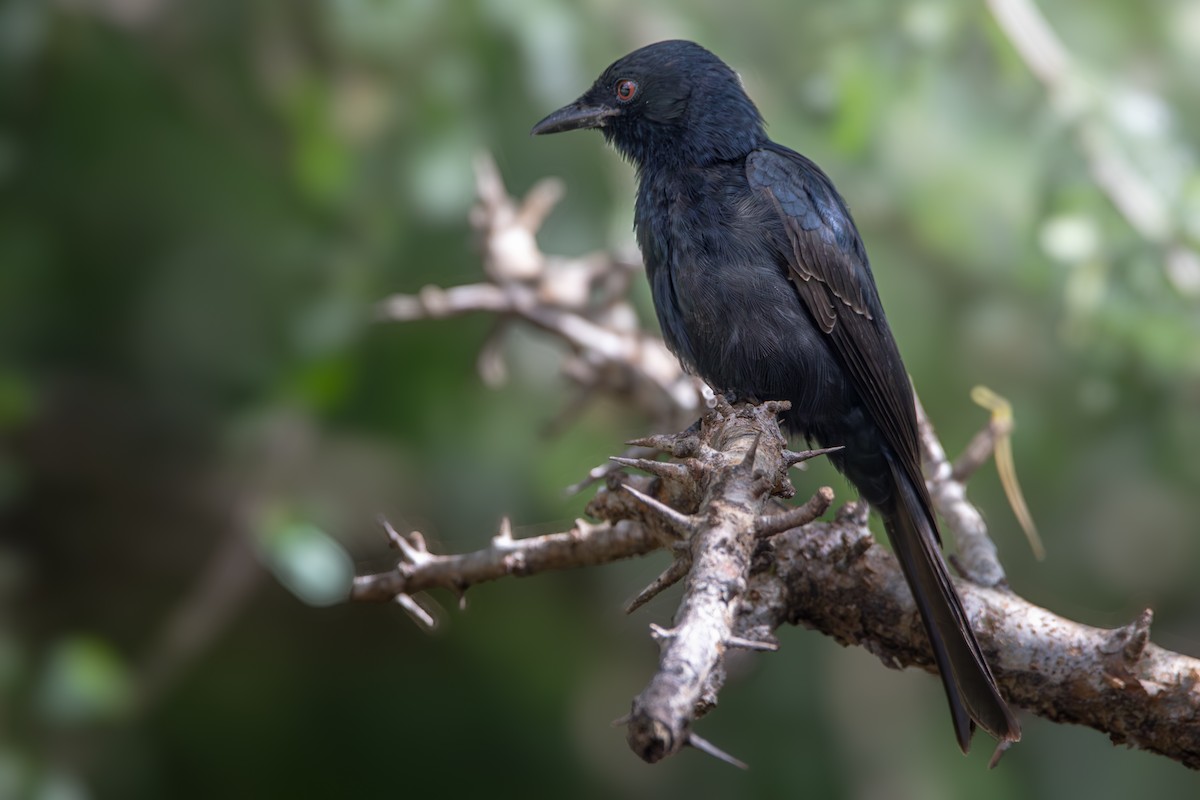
column 582, row 302
column 768, row 525
column 976, row 555
column 583, row 545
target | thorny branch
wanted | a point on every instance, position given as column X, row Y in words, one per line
column 740, row 458
column 583, row 302
column 751, row 564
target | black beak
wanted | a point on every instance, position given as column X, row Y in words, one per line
column 575, row 117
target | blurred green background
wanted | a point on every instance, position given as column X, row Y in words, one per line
column 201, row 201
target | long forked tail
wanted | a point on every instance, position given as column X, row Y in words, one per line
column 968, row 681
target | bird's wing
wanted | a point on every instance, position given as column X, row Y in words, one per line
column 829, row 267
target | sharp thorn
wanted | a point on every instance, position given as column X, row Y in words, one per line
column 417, row 612
column 792, row 457
column 594, row 474
column 656, row 442
column 669, row 577
column 663, row 469
column 660, row 634
column 412, row 549
column 393, row 537
column 771, row 524
column 747, row 464
column 680, row 522
column 705, row 746
column 751, row 644
column 504, row 537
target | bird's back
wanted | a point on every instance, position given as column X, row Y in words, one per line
column 715, row 256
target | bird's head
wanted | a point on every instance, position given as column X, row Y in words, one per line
column 670, row 103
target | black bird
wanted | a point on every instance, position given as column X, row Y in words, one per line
column 762, row 287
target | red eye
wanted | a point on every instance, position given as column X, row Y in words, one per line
column 626, row 90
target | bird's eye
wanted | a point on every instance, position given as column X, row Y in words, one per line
column 626, row 90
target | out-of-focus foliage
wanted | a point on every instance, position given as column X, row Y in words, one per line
column 199, row 202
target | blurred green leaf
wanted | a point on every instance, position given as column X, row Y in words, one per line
column 18, row 400
column 306, row 560
column 320, row 159
column 84, row 682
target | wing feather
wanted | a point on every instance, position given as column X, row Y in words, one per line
column 828, row 265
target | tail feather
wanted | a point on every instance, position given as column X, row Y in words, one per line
column 970, row 687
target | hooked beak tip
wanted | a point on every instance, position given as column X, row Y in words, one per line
column 574, row 117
